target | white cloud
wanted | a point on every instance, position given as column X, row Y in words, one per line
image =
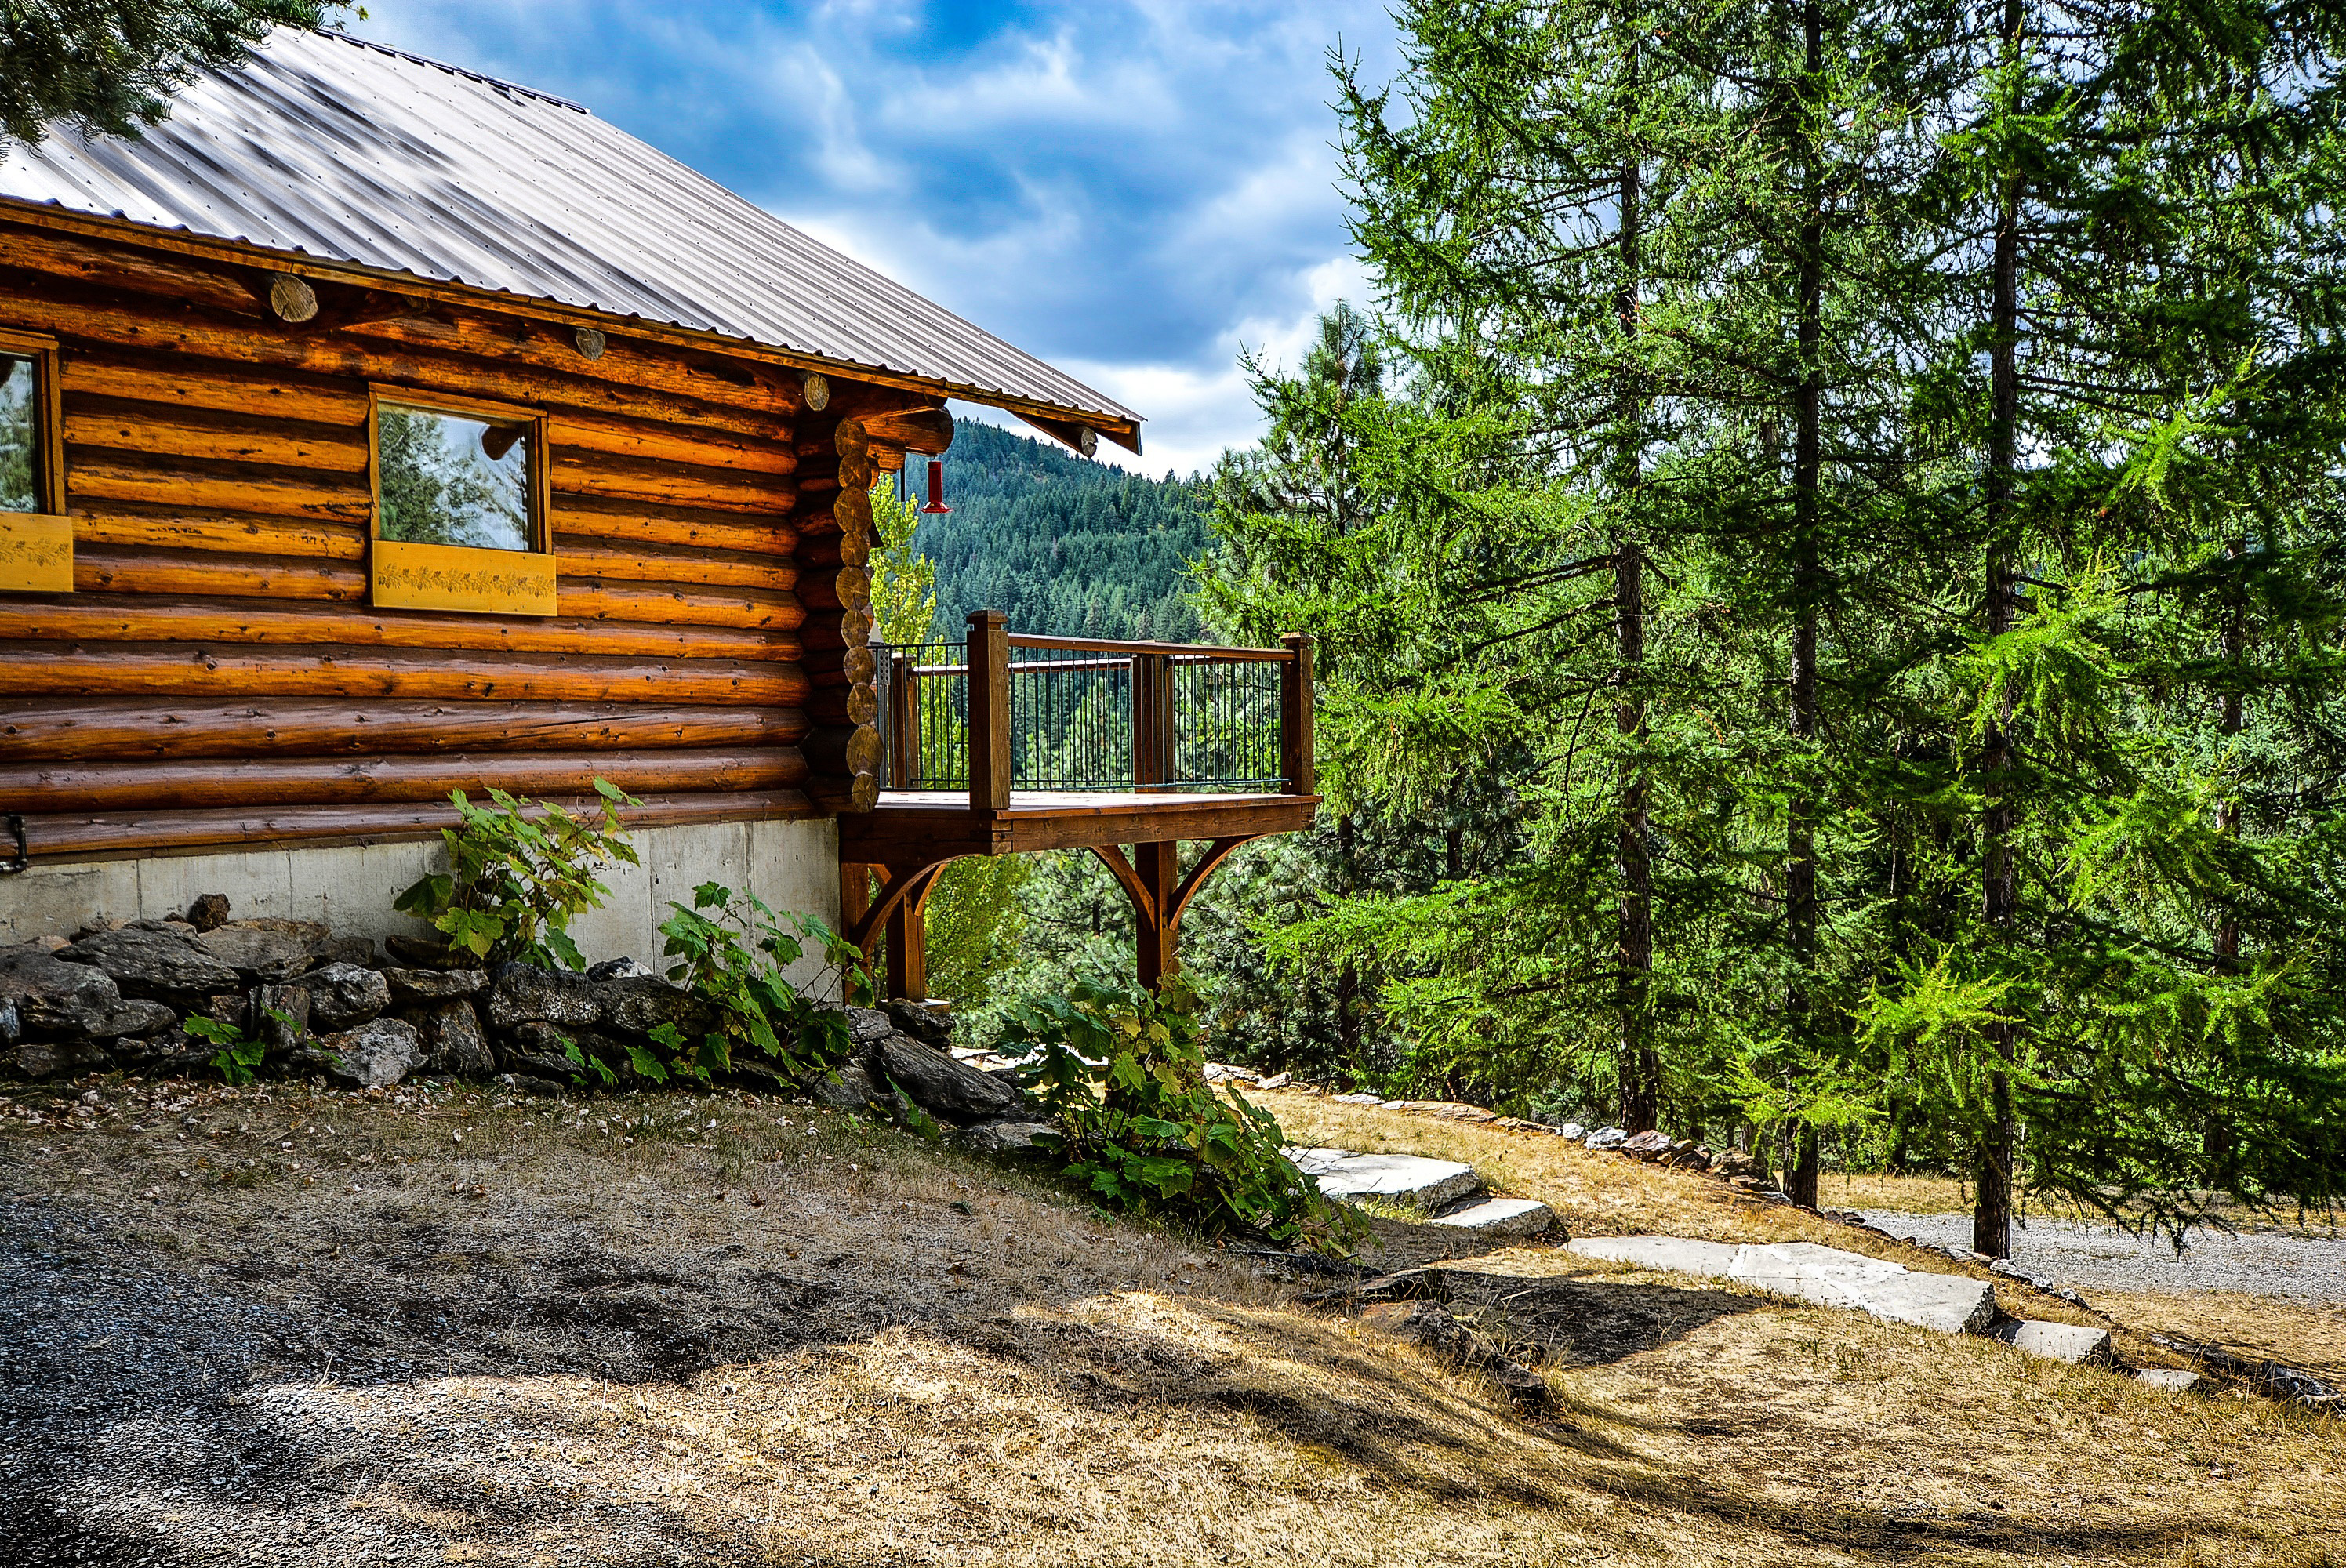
column 1130, row 190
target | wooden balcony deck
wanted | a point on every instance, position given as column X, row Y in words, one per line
column 920, row 826
column 890, row 855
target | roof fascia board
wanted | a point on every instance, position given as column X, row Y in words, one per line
column 42, row 215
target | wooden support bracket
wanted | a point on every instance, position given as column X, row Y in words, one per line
column 1159, row 896
column 898, row 914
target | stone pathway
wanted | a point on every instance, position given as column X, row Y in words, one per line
column 2090, row 1258
column 1804, row 1271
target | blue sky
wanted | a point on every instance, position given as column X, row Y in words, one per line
column 1128, row 190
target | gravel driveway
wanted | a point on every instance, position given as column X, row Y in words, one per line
column 2090, row 1258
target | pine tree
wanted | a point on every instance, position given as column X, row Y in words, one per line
column 2123, row 204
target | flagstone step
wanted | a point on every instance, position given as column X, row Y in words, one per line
column 1406, row 1181
column 2172, row 1377
column 2067, row 1342
column 1501, row 1216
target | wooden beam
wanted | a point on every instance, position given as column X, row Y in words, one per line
column 899, row 831
column 925, row 430
column 908, row 940
column 1112, row 856
column 100, row 836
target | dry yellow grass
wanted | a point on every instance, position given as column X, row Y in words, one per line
column 881, row 1377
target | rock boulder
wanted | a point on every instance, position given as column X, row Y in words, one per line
column 1002, row 1136
column 51, row 999
column 454, row 1040
column 848, row 1088
column 342, row 996
column 32, row 1059
column 523, row 994
column 161, row 961
column 638, row 1004
column 1950, row 1303
column 949, row 1090
column 1407, row 1181
column 410, row 985
column 267, row 951
column 374, row 1055
column 280, row 1016
column 931, row 1026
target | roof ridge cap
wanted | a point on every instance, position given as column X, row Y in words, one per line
column 482, row 76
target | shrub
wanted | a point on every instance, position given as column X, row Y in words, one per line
column 521, row 870
column 1122, row 1071
column 731, row 951
column 240, row 1055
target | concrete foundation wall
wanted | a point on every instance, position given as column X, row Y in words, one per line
column 792, row 865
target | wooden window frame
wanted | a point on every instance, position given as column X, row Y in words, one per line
column 470, row 578
column 37, row 555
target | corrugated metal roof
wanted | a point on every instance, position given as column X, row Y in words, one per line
column 345, row 151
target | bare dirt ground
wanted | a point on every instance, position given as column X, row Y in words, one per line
column 300, row 1327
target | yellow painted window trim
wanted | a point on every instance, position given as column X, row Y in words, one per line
column 36, row 548
column 412, row 576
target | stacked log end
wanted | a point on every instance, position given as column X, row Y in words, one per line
column 843, row 752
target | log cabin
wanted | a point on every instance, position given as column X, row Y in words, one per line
column 371, row 428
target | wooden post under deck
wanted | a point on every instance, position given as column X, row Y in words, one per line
column 1158, row 924
column 908, row 947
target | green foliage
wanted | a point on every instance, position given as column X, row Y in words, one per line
column 107, row 66
column 977, row 922
column 731, row 951
column 903, row 580
column 1860, row 488
column 1123, row 1070
column 520, row 872
column 241, row 1054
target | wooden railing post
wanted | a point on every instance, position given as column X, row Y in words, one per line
column 989, row 711
column 1296, row 765
column 1151, row 763
column 904, row 723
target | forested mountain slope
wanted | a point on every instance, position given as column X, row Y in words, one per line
column 1061, row 544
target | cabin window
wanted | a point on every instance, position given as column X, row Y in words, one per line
column 459, row 507
column 35, row 536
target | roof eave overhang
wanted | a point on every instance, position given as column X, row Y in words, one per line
column 1121, row 429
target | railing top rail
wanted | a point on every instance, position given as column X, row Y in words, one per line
column 1206, row 651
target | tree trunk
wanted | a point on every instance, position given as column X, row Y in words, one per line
column 1641, row 1063
column 2215, row 1137
column 1800, row 1172
column 2228, row 814
column 1999, row 876
column 1807, row 586
column 1348, row 978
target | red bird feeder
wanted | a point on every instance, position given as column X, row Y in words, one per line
column 936, row 506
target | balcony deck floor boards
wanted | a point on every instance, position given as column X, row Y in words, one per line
column 911, row 826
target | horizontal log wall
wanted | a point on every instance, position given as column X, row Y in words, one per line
column 218, row 675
